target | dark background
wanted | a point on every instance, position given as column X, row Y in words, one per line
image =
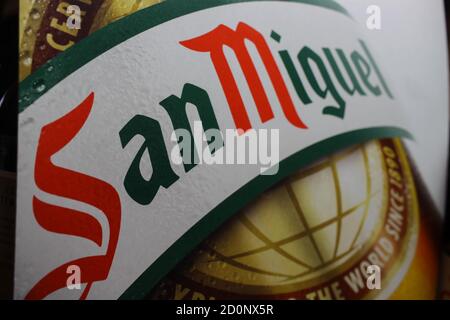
column 9, row 26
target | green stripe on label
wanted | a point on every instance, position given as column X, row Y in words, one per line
column 250, row 191
column 67, row 62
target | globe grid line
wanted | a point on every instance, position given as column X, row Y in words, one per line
column 368, row 188
column 301, row 215
column 332, row 164
column 321, row 164
column 243, row 266
column 337, row 187
column 308, row 231
column 269, row 243
column 298, row 235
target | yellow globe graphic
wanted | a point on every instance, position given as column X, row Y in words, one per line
column 302, row 230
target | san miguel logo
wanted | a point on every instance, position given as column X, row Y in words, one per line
column 357, row 74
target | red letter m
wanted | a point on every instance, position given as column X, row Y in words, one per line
column 214, row 41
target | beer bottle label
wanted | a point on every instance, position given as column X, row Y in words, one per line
column 139, row 142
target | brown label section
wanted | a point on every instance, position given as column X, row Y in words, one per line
column 54, row 34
